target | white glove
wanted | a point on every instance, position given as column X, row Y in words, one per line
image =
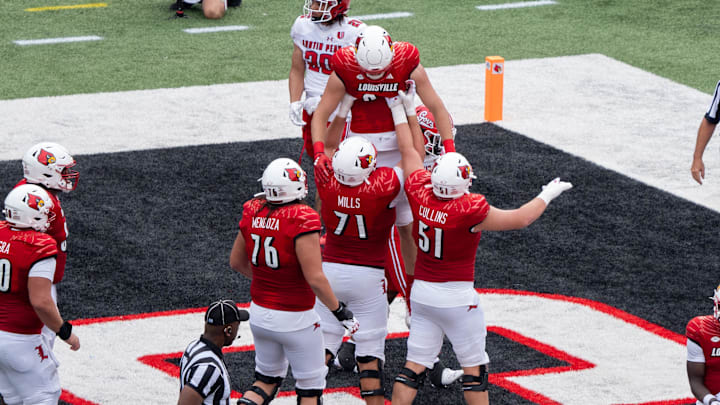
column 397, row 108
column 408, row 98
column 710, row 399
column 345, row 106
column 311, row 104
column 351, row 325
column 553, row 189
column 296, row 113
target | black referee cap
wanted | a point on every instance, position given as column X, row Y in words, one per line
column 224, row 312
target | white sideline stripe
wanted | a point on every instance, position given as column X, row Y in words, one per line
column 216, row 29
column 516, row 5
column 592, row 106
column 398, row 14
column 23, row 42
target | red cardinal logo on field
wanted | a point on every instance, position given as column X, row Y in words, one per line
column 365, row 161
column 465, row 171
column 46, row 157
column 293, row 174
column 35, row 202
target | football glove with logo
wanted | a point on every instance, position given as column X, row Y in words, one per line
column 322, row 164
column 346, row 318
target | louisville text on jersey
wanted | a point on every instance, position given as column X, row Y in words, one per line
column 378, row 87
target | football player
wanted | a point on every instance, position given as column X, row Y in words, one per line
column 317, row 34
column 278, row 248
column 28, row 368
column 369, row 71
column 448, row 221
column 50, row 166
column 703, row 354
column 358, row 208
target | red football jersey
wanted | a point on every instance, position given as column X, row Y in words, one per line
column 19, row 250
column 370, row 113
column 58, row 230
column 278, row 281
column 359, row 219
column 705, row 331
column 442, row 231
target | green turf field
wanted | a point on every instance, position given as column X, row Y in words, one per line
column 142, row 48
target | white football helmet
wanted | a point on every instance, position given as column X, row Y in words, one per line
column 452, row 176
column 329, row 9
column 49, row 164
column 354, row 161
column 29, row 206
column 284, row 181
column 716, row 303
column 374, row 51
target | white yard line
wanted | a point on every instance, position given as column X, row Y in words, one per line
column 216, row 29
column 521, row 4
column 398, row 14
column 592, row 106
column 45, row 41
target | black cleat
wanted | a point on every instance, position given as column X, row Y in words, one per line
column 346, row 356
column 441, row 376
column 233, row 3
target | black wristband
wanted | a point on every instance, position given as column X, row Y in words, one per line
column 65, row 331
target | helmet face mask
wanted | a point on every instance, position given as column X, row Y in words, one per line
column 354, row 161
column 284, row 181
column 327, row 10
column 51, row 165
column 374, row 51
column 451, row 176
column 29, row 206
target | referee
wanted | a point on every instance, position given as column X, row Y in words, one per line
column 204, row 377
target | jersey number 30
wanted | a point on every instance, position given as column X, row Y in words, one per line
column 271, row 254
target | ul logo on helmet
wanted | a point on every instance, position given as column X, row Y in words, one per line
column 35, row 202
column 465, row 171
column 293, row 174
column 365, row 161
column 46, row 157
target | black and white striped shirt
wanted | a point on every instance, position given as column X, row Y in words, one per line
column 712, row 113
column 203, row 369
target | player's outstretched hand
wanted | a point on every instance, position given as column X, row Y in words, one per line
column 323, row 167
column 296, row 113
column 346, row 318
column 553, row 189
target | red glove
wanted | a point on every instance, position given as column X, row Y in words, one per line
column 449, row 145
column 322, row 164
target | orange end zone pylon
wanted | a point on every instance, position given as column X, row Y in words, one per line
column 494, row 73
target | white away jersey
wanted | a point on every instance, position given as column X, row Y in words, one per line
column 318, row 42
